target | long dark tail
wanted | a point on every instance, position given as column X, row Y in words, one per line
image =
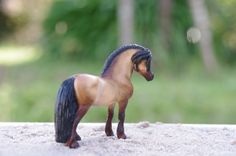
column 65, row 110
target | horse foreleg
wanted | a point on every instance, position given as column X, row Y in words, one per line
column 121, row 116
column 72, row 142
column 108, row 128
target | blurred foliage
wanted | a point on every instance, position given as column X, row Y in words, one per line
column 80, row 28
column 223, row 18
column 10, row 24
column 6, row 25
column 182, row 51
column 145, row 22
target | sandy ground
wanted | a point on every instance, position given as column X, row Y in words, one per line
column 37, row 139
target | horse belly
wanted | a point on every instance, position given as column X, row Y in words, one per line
column 104, row 101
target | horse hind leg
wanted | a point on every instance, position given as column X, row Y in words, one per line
column 77, row 137
column 72, row 142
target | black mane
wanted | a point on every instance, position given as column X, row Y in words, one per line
column 117, row 52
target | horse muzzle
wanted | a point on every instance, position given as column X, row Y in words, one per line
column 149, row 76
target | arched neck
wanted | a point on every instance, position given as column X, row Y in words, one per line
column 122, row 68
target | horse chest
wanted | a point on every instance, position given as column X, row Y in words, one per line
column 124, row 92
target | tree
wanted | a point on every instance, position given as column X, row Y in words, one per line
column 126, row 21
column 201, row 20
column 165, row 23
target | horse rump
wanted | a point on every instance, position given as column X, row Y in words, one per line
column 65, row 110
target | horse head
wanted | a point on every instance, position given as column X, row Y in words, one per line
column 142, row 63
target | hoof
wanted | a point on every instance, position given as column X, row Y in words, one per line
column 109, row 133
column 121, row 136
column 77, row 138
column 74, row 144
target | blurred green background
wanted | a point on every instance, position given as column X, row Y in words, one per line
column 193, row 43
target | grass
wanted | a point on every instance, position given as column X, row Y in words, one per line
column 28, row 90
column 189, row 99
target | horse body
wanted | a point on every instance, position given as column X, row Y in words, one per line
column 113, row 86
column 94, row 90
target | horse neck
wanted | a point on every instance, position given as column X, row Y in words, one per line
column 122, row 68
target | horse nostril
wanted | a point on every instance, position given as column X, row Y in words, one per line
column 150, row 77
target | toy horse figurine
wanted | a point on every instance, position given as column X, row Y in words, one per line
column 81, row 91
